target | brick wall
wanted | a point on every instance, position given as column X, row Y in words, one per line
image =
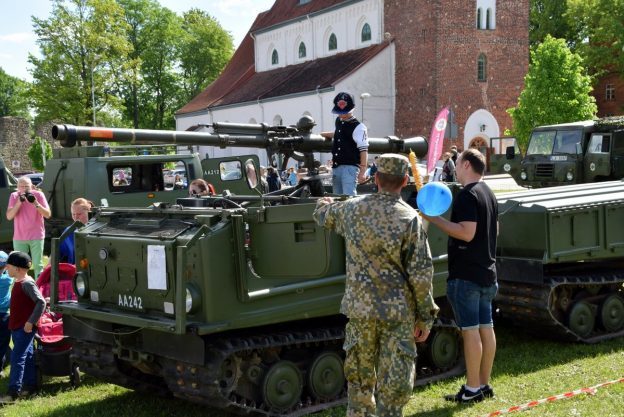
column 437, row 47
column 610, row 107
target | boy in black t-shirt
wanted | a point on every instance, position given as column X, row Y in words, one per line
column 471, row 284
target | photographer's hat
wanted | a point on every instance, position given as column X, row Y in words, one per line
column 343, row 103
column 19, row 259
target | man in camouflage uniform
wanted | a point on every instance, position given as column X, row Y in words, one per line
column 388, row 296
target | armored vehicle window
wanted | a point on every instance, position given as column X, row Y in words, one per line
column 177, row 178
column 566, row 141
column 122, row 177
column 541, row 142
column 600, row 143
column 230, row 170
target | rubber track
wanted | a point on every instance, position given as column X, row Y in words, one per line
column 201, row 384
column 531, row 306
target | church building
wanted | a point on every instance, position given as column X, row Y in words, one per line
column 402, row 60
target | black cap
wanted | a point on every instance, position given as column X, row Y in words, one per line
column 343, row 103
column 19, row 259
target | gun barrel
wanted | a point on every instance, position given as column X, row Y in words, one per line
column 249, row 136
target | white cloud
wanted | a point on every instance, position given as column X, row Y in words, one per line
column 242, row 7
column 18, row 37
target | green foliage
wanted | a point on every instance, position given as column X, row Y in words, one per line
column 601, row 25
column 37, row 150
column 557, row 90
column 205, row 49
column 549, row 17
column 13, row 97
column 84, row 53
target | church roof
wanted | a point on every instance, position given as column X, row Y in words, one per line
column 240, row 83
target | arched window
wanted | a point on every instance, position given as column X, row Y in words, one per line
column 366, row 33
column 302, row 50
column 333, row 42
column 479, row 18
column 488, row 19
column 274, row 57
column 482, row 68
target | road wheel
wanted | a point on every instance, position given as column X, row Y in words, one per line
column 582, row 318
column 612, row 313
column 282, row 386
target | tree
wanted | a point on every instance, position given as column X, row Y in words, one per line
column 557, row 90
column 152, row 94
column 13, row 97
column 36, row 153
column 601, row 26
column 204, row 51
column 84, row 52
column 550, row 17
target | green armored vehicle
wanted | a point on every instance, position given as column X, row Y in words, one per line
column 560, row 260
column 138, row 176
column 572, row 153
column 231, row 300
column 8, row 184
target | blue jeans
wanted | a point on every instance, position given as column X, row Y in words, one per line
column 5, row 337
column 345, row 179
column 472, row 303
column 23, row 372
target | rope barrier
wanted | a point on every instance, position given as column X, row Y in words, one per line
column 531, row 404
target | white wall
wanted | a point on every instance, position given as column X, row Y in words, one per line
column 376, row 77
column 345, row 22
column 480, row 123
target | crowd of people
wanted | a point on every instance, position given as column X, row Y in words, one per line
column 388, row 295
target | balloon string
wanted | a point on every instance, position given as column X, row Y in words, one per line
column 413, row 160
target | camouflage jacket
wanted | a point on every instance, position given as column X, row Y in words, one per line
column 389, row 267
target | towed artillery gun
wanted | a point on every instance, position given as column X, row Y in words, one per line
column 229, row 300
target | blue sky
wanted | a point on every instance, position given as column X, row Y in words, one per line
column 17, row 38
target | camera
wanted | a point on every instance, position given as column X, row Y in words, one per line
column 27, row 196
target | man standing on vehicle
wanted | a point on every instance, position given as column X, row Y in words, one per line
column 350, row 147
column 388, row 296
column 471, row 284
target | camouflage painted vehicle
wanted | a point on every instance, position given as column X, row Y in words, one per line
column 573, row 153
column 231, row 300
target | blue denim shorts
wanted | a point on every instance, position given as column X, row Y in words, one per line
column 472, row 303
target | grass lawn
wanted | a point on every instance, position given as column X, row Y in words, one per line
column 526, row 369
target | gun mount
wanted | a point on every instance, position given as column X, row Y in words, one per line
column 297, row 142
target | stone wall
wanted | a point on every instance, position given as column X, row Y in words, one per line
column 15, row 139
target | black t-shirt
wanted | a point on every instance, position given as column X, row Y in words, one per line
column 475, row 260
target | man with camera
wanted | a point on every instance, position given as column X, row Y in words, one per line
column 27, row 208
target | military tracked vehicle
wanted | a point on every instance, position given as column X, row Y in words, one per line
column 230, row 300
column 8, row 184
column 560, row 260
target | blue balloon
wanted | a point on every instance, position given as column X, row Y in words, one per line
column 434, row 198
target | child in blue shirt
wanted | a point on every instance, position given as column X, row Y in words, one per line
column 5, row 299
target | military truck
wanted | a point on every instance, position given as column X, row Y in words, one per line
column 230, row 300
column 572, row 153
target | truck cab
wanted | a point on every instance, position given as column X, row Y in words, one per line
column 573, row 153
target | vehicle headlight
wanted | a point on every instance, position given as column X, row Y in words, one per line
column 523, row 176
column 193, row 299
column 80, row 284
column 570, row 176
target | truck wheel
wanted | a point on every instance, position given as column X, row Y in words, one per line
column 612, row 313
column 326, row 376
column 581, row 318
column 282, row 386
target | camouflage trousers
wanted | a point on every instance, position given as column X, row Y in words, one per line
column 379, row 367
